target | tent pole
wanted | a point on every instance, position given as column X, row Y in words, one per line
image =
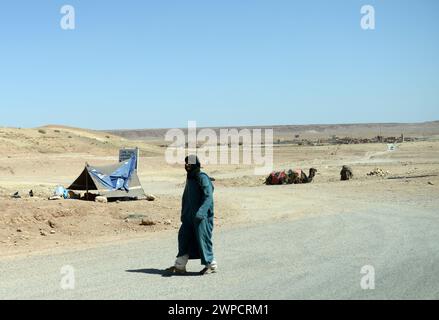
column 86, row 185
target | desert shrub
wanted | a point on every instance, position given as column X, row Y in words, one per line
column 42, row 131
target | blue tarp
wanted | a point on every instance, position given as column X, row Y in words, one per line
column 119, row 179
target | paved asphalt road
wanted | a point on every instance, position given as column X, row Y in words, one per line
column 317, row 257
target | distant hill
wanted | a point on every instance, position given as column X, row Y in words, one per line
column 61, row 139
column 366, row 130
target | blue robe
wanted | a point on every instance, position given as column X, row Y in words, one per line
column 195, row 235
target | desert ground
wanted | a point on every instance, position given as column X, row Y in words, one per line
column 41, row 159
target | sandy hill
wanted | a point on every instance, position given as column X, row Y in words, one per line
column 61, row 139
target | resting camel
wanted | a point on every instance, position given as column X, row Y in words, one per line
column 346, row 173
column 290, row 177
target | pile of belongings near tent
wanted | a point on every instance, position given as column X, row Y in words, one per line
column 290, row 177
column 62, row 193
column 378, row 172
column 59, row 193
column 346, row 173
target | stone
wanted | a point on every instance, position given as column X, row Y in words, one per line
column 151, row 197
column 378, row 172
column 147, row 222
column 101, row 199
column 16, row 195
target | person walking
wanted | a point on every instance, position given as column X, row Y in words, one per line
column 197, row 219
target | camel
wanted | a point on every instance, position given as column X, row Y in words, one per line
column 346, row 173
column 290, row 177
column 307, row 179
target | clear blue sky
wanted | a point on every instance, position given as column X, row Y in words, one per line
column 140, row 64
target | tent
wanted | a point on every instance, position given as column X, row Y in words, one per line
column 114, row 181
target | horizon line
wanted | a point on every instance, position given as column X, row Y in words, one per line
column 223, row 126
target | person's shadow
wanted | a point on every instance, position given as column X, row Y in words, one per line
column 164, row 273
